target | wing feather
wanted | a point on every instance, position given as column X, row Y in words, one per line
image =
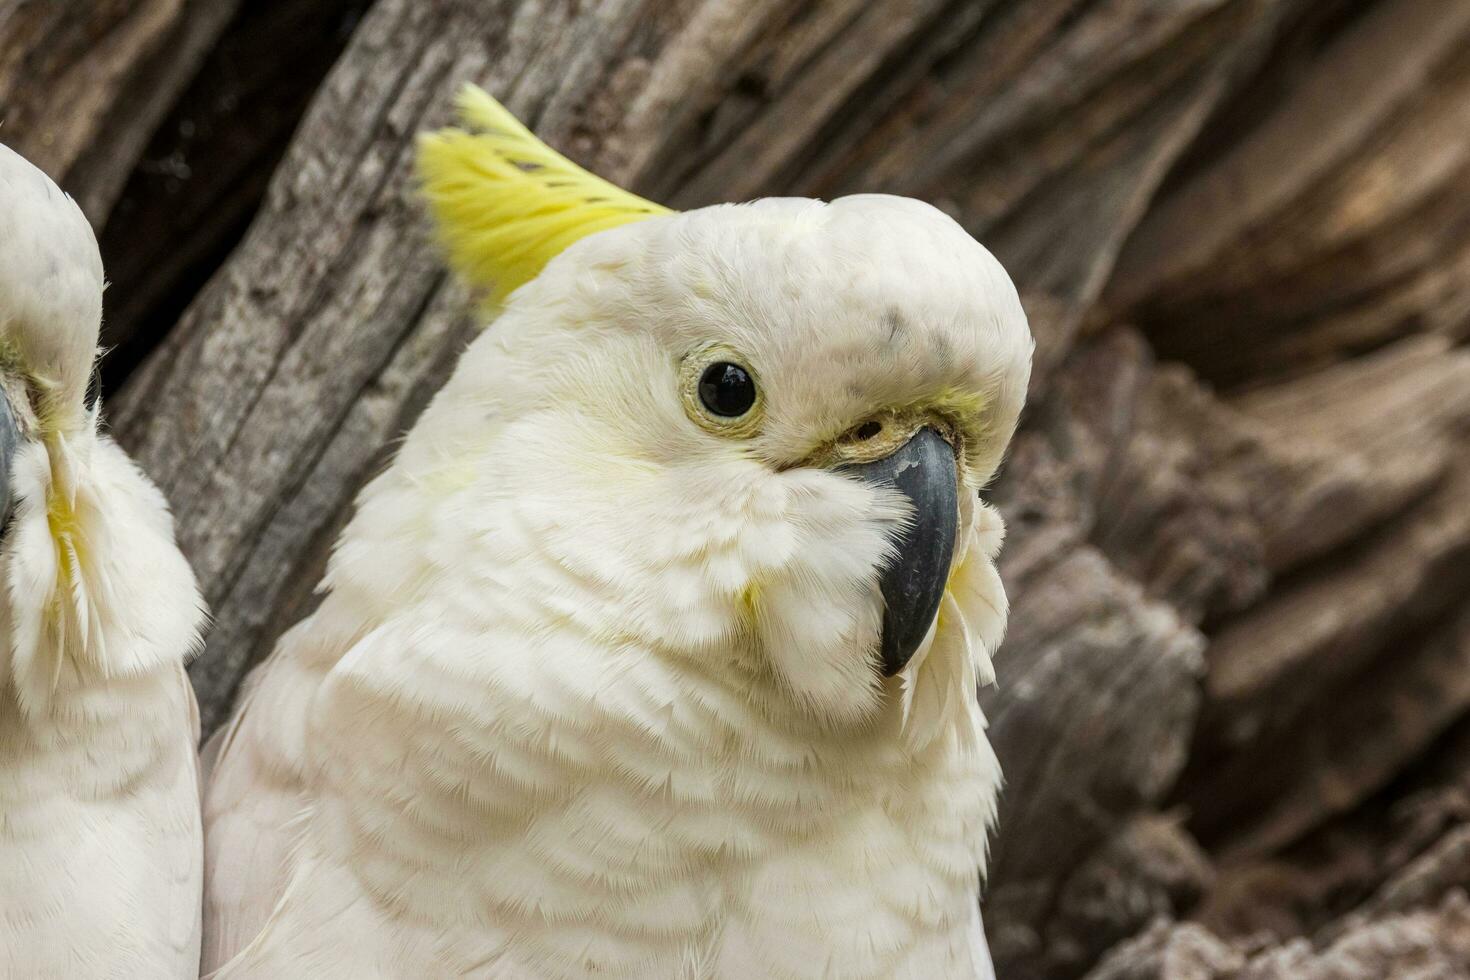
column 254, row 794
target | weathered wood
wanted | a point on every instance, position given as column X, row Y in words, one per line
column 1163, row 474
column 83, row 85
column 1324, row 230
column 1092, row 672
column 1320, row 629
column 1170, row 952
column 1388, row 424
column 1151, row 869
column 1430, row 943
column 1441, row 869
column 1396, row 853
column 1342, row 748
column 1427, row 943
column 202, row 176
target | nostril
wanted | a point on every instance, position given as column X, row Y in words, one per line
column 868, row 430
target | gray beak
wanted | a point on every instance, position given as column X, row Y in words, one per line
column 924, row 471
column 9, row 443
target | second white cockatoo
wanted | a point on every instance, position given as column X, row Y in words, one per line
column 654, row 652
column 101, row 851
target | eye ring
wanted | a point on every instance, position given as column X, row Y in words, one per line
column 721, row 392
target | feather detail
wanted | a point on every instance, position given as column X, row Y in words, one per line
column 88, row 555
column 101, row 857
column 505, row 203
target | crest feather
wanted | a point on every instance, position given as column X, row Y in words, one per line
column 505, row 203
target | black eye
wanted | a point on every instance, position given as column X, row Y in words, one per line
column 727, row 389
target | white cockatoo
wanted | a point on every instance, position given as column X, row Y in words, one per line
column 101, row 846
column 654, row 652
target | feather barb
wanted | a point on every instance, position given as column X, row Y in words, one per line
column 505, row 203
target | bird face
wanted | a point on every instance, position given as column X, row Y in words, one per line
column 766, row 425
column 50, row 291
column 50, row 311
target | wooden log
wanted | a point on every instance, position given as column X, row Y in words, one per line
column 1134, row 457
column 1398, row 852
column 1204, row 501
column 1430, row 943
column 1393, row 421
column 84, row 85
column 202, row 176
column 1341, row 750
column 1321, row 629
column 1150, row 869
column 1097, row 697
column 1440, row 870
column 1322, row 231
column 1170, row 951
column 1321, row 694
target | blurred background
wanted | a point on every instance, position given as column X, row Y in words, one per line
column 1234, row 704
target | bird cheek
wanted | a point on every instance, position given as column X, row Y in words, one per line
column 816, row 608
column 819, row 643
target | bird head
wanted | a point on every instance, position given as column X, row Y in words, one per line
column 50, row 296
column 50, row 317
column 93, row 584
column 758, row 431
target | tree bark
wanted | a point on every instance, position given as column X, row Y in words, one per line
column 1234, row 684
column 83, row 85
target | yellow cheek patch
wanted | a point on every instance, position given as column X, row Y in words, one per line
column 750, row 599
column 505, row 203
column 964, row 406
column 451, row 479
column 967, row 410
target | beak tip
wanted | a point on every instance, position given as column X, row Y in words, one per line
column 9, row 446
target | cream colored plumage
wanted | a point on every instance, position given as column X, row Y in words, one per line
column 592, row 690
column 100, row 838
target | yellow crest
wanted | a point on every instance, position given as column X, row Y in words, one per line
column 506, row 203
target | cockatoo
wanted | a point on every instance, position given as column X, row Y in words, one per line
column 101, row 844
column 654, row 652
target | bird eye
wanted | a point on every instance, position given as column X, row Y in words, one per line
column 720, row 392
column 727, row 389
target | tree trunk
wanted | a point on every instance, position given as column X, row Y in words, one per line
column 83, row 85
column 1234, row 688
